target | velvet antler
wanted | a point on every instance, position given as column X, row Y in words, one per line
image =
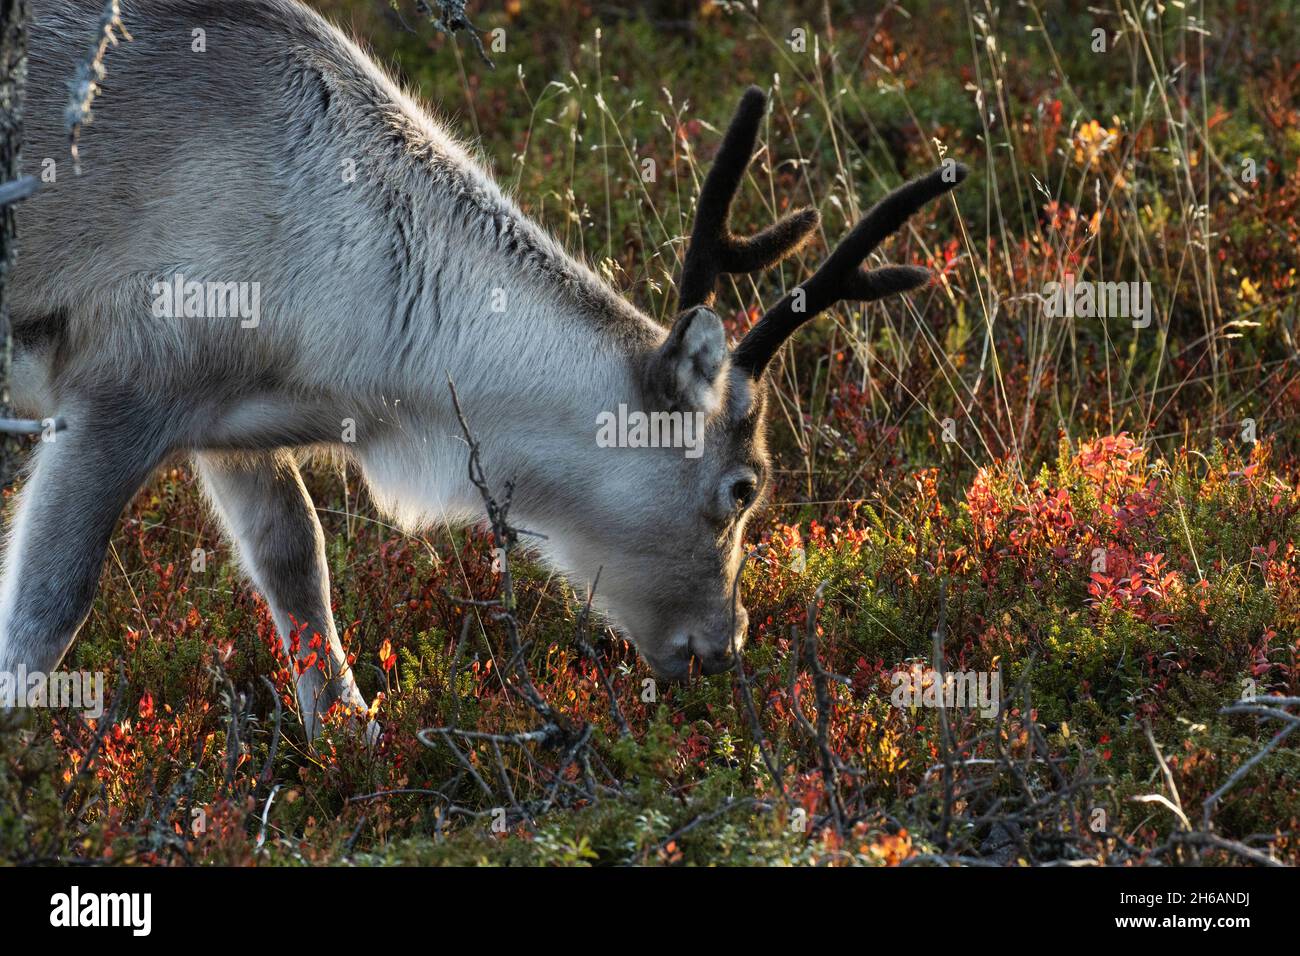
column 714, row 249
column 842, row 276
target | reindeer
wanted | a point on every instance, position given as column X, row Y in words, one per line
column 231, row 166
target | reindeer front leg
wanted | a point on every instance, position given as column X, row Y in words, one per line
column 82, row 480
column 265, row 506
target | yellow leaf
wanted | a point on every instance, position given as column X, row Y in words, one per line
column 1250, row 292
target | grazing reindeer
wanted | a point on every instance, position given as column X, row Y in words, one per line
column 230, row 166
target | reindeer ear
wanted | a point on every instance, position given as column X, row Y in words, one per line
column 689, row 371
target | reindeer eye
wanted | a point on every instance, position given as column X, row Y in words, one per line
column 743, row 492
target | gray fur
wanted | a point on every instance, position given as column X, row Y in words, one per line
column 228, row 166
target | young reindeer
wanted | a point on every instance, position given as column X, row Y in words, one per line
column 231, row 165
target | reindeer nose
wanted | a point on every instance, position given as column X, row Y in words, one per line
column 716, row 652
column 717, row 663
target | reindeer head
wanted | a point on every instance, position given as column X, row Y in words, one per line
column 675, row 590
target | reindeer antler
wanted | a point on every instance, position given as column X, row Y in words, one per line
column 841, row 275
column 714, row 249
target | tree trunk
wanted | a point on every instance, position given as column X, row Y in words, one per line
column 13, row 79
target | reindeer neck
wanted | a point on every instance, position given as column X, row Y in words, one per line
column 536, row 345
